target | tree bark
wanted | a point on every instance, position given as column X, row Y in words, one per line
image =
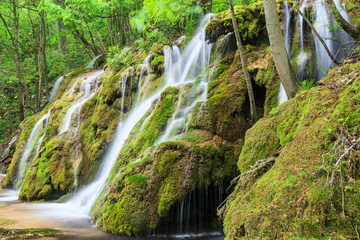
column 92, row 49
column 43, row 51
column 282, row 62
column 316, row 34
column 35, row 51
column 244, row 65
column 19, row 72
column 350, row 29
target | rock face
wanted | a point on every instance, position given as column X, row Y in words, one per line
column 298, row 166
column 152, row 174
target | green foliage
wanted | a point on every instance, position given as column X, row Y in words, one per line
column 307, row 84
column 167, row 17
column 118, row 58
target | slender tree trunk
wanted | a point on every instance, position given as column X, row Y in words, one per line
column 243, row 62
column 59, row 25
column 92, row 49
column 111, row 35
column 19, row 71
column 38, row 100
column 36, row 60
column 282, row 62
column 316, row 34
column 350, row 29
column 43, row 51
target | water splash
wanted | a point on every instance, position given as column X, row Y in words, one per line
column 55, row 89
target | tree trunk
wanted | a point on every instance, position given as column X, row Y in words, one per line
column 59, row 25
column 282, row 62
column 243, row 62
column 35, row 51
column 350, row 29
column 316, row 34
column 43, row 51
column 19, row 71
column 93, row 50
column 17, row 59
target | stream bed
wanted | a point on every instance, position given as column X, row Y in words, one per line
column 17, row 214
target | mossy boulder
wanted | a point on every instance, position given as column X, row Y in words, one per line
column 51, row 175
column 250, row 19
column 287, row 162
column 145, row 190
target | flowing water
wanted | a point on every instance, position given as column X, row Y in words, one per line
column 85, row 199
column 88, row 88
column 7, row 149
column 34, row 141
column 55, row 89
column 287, row 20
column 180, row 68
column 324, row 24
column 92, row 62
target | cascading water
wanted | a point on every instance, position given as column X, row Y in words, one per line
column 302, row 58
column 92, row 62
column 123, row 91
column 84, row 200
column 55, row 89
column 287, row 19
column 145, row 70
column 86, row 92
column 34, row 141
column 321, row 24
column 193, row 215
column 344, row 41
column 324, row 22
column 7, row 149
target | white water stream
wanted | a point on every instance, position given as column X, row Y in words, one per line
column 34, row 141
column 287, row 19
column 55, row 89
column 82, row 203
column 88, row 88
column 7, row 149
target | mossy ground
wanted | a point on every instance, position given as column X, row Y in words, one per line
column 292, row 197
column 27, row 233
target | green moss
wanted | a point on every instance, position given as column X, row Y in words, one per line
column 144, row 190
column 26, row 233
column 290, row 196
column 51, row 174
column 250, row 20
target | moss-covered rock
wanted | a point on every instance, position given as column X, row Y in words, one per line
column 51, row 175
column 287, row 162
column 145, row 190
column 250, row 19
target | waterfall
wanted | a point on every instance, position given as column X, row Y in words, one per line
column 92, row 62
column 173, row 64
column 86, row 92
column 34, row 141
column 145, row 69
column 195, row 215
column 7, row 149
column 324, row 22
column 55, row 89
column 84, row 200
column 287, row 20
column 123, row 91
